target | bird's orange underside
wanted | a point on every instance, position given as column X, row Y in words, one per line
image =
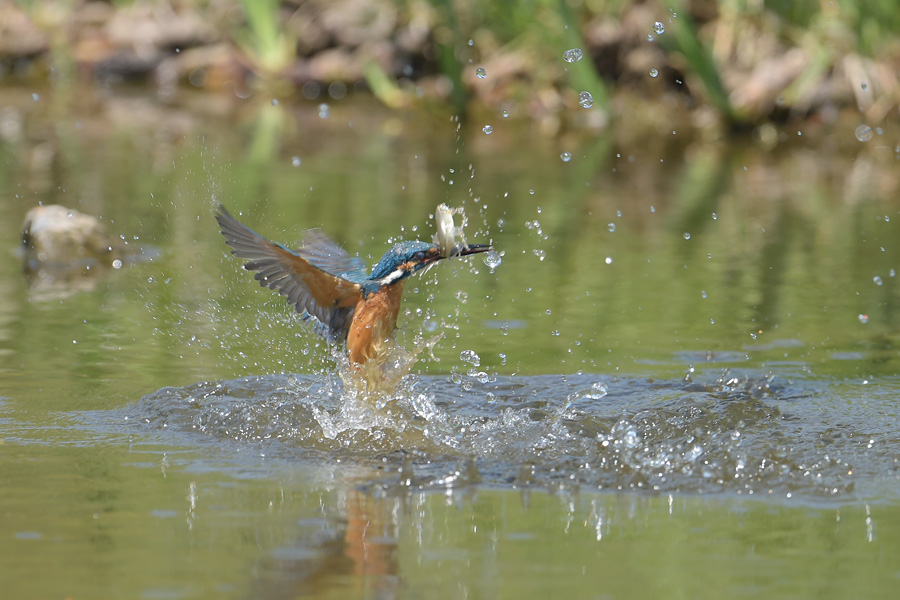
column 373, row 323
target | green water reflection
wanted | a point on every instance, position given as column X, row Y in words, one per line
column 145, row 523
column 631, row 258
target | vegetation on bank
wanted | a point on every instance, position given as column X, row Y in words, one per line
column 729, row 61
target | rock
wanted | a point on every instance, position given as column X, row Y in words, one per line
column 19, row 36
column 60, row 237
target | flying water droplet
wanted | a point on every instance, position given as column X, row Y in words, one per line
column 573, row 55
column 471, row 357
column 863, row 318
column 877, row 280
column 492, row 259
column 687, row 235
column 36, row 97
column 566, row 156
column 324, row 111
column 505, row 114
column 540, row 254
column 611, row 227
column 296, row 161
column 609, row 260
column 598, row 391
column 585, row 99
column 654, row 73
column 864, row 133
column 480, row 73
column 487, row 129
column 659, row 27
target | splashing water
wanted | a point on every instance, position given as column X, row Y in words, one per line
column 573, row 55
column 480, row 73
column 743, row 434
column 492, row 259
column 864, row 133
column 585, row 99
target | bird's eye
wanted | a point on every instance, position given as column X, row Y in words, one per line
column 420, row 256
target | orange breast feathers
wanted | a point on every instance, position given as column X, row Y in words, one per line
column 373, row 323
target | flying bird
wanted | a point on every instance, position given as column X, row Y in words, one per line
column 333, row 290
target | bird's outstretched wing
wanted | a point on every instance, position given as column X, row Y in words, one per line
column 319, row 279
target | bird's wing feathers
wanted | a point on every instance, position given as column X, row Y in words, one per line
column 316, row 279
column 320, row 251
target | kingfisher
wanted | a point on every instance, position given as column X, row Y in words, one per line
column 333, row 290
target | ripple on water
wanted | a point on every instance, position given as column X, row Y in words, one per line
column 735, row 433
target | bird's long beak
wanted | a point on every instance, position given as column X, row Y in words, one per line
column 460, row 250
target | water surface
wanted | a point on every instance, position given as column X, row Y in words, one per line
column 682, row 378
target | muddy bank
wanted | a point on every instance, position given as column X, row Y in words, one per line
column 725, row 66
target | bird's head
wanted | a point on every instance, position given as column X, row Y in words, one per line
column 406, row 258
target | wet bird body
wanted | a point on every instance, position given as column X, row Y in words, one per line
column 332, row 289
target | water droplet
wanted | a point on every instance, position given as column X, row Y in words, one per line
column 274, row 101
column 877, row 280
column 296, row 161
column 36, row 97
column 505, row 114
column 492, row 259
column 715, row 216
column 892, row 273
column 609, row 260
column 487, row 129
column 703, row 294
column 598, row 391
column 470, row 357
column 863, row 319
column 687, row 235
column 585, row 99
column 654, row 73
column 864, row 85
column 573, row 55
column 659, row 27
column 502, row 358
column 611, row 227
column 117, row 264
column 566, row 156
column 864, row 133
column 430, row 325
column 540, row 254
column 480, row 73
column 324, row 111
column 555, row 333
